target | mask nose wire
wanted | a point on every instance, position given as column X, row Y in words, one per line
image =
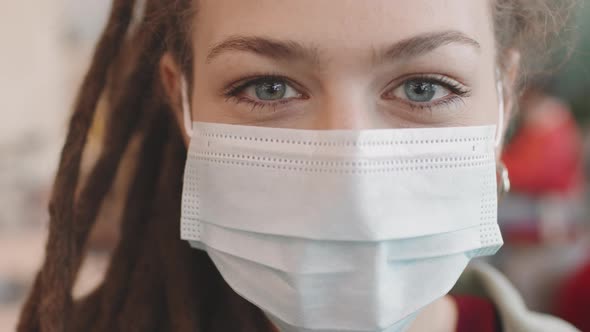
column 500, row 126
column 187, row 119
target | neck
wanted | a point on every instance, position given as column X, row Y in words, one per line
column 439, row 316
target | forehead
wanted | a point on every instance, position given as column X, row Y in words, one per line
column 342, row 24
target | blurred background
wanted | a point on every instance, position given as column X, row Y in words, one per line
column 46, row 46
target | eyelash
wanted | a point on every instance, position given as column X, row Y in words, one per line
column 232, row 93
column 457, row 90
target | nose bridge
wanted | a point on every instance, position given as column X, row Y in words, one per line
column 346, row 107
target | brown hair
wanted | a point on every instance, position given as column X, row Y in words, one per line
column 536, row 29
column 155, row 281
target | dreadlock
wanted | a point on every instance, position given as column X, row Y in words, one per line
column 155, row 281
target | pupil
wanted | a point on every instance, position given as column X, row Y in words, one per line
column 420, row 91
column 270, row 90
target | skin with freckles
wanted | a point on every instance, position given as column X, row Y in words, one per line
column 344, row 64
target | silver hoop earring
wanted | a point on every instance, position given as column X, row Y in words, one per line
column 503, row 179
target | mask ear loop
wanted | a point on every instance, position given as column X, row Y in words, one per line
column 188, row 122
column 500, row 127
column 502, row 175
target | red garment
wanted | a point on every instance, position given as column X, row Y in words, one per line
column 476, row 314
column 545, row 156
column 573, row 299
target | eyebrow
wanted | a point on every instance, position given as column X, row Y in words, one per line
column 425, row 43
column 267, row 47
column 291, row 50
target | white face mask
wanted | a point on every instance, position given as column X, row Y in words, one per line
column 341, row 230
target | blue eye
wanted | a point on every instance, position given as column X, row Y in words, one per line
column 269, row 89
column 421, row 91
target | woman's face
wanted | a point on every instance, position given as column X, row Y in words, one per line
column 344, row 64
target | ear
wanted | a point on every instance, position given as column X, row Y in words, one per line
column 510, row 75
column 171, row 75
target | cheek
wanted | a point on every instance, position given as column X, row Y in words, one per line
column 492, row 110
column 484, row 104
column 207, row 106
column 484, row 110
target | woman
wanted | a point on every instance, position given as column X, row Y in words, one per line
column 340, row 175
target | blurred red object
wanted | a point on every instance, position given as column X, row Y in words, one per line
column 545, row 155
column 573, row 299
column 476, row 314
